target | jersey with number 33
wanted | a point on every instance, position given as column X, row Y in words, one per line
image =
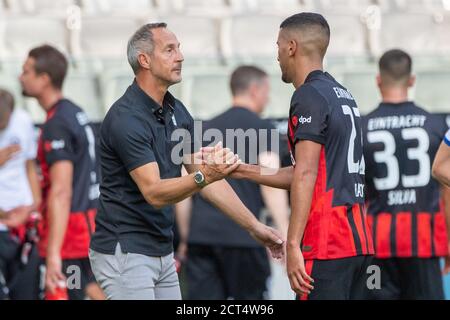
column 405, row 213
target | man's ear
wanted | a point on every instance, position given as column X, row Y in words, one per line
column 378, row 78
column 46, row 77
column 252, row 89
column 411, row 81
column 292, row 47
column 144, row 61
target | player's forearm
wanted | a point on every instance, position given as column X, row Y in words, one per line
column 170, row 191
column 445, row 191
column 301, row 197
column 58, row 219
column 441, row 165
column 441, row 171
column 281, row 179
column 222, row 196
column 33, row 180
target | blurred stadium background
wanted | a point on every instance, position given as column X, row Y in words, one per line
column 216, row 36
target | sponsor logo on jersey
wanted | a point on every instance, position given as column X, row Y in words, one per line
column 303, row 120
column 54, row 145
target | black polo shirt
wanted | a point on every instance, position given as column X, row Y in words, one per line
column 209, row 226
column 137, row 131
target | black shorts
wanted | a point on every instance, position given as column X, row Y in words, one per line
column 19, row 279
column 219, row 273
column 410, row 279
column 79, row 275
column 339, row 279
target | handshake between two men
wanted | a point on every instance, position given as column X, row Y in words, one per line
column 215, row 164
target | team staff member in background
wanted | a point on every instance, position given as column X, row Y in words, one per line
column 223, row 261
column 441, row 165
column 408, row 222
column 66, row 153
column 329, row 245
column 20, row 195
column 132, row 248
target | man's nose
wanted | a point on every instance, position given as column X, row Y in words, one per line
column 180, row 56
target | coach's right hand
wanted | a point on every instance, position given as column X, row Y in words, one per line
column 270, row 238
column 218, row 163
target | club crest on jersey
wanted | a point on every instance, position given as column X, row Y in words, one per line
column 174, row 120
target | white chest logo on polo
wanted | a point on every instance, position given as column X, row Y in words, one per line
column 174, row 121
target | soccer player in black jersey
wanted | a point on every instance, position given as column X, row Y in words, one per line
column 66, row 154
column 406, row 214
column 328, row 238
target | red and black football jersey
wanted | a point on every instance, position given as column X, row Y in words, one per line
column 66, row 135
column 405, row 213
column 323, row 111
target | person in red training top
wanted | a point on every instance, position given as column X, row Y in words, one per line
column 66, row 153
column 329, row 245
column 407, row 218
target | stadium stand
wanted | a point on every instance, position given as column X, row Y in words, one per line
column 199, row 37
